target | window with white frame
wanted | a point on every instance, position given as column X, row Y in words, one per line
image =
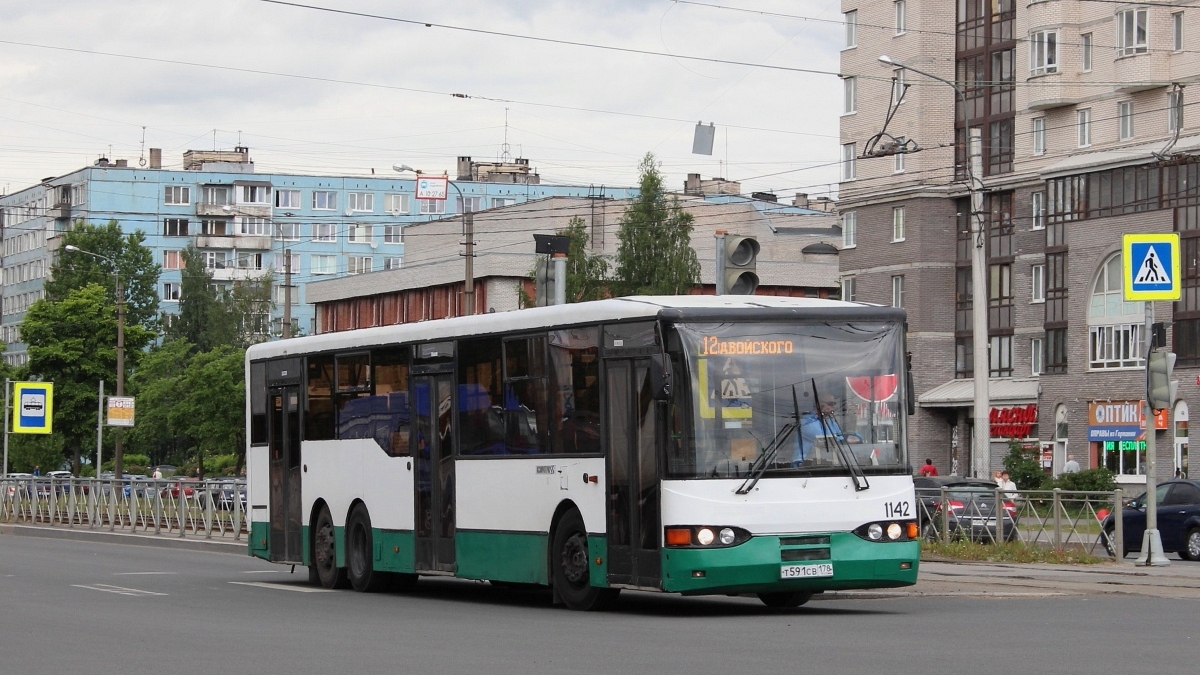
column 1038, row 215
column 361, row 201
column 323, row 264
column 1175, row 111
column 849, row 289
column 901, row 19
column 432, row 206
column 175, row 227
column 851, row 21
column 360, row 233
column 172, row 260
column 218, row 227
column 1085, row 48
column 288, row 232
column 358, row 264
column 216, row 260
column 849, row 229
column 177, row 195
column 393, row 263
column 1037, row 283
column 1083, row 127
column 170, row 292
column 256, row 194
column 287, row 199
column 898, row 162
column 1115, row 325
column 1043, row 52
column 1000, row 356
column 325, row 232
column 1131, row 31
column 1039, row 135
column 897, row 84
column 216, row 195
column 898, row 291
column 898, row 223
column 255, row 226
column 848, row 156
column 1035, row 356
column 324, row 200
column 1125, row 119
column 393, row 234
column 849, row 95
column 1177, row 31
column 396, row 203
column 498, row 202
column 472, row 204
column 249, row 261
column 283, row 260
column 78, row 194
column 280, row 295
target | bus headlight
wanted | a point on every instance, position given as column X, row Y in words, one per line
column 726, row 536
column 894, row 531
column 703, row 536
column 888, row 530
column 874, row 531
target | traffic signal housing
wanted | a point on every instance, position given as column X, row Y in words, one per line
column 1160, row 390
column 741, row 253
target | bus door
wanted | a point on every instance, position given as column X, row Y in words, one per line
column 434, row 454
column 634, row 520
column 284, row 469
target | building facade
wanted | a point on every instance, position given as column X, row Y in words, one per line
column 242, row 222
column 1083, row 110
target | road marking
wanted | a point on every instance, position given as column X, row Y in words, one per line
column 260, row 571
column 127, row 574
column 282, row 587
column 120, row 590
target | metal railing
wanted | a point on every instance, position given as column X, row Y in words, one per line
column 1083, row 520
column 208, row 509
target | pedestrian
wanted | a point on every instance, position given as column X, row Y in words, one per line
column 37, row 469
column 997, row 478
column 1007, row 485
column 157, row 473
column 1178, row 472
column 1071, row 466
column 929, row 469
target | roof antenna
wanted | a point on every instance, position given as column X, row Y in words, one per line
column 142, row 158
column 505, row 155
column 214, row 140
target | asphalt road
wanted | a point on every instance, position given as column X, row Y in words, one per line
column 82, row 607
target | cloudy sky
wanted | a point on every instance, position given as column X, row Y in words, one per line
column 313, row 91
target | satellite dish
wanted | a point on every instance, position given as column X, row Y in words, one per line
column 395, row 213
column 349, row 211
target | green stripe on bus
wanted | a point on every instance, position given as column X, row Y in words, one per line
column 753, row 567
column 259, row 539
column 598, row 552
column 519, row 557
column 394, row 550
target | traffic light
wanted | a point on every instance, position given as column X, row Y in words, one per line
column 1160, row 390
column 740, row 276
column 544, row 286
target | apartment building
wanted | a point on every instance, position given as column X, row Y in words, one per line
column 1088, row 132
column 243, row 222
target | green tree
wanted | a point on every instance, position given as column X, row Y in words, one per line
column 655, row 256
column 210, row 316
column 156, row 384
column 1023, row 466
column 212, row 408
column 135, row 264
column 586, row 272
column 72, row 342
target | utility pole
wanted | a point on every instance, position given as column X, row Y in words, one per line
column 469, row 282
column 119, row 441
column 287, row 293
column 981, row 447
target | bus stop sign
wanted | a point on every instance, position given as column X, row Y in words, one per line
column 1151, row 266
column 33, row 407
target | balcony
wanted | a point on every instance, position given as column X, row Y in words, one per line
column 1047, row 92
column 215, row 241
column 236, row 274
column 203, row 209
column 1140, row 72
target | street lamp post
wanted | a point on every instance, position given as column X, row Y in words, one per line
column 469, row 237
column 981, row 449
column 119, row 451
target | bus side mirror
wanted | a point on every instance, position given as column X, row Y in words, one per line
column 909, row 390
column 660, row 379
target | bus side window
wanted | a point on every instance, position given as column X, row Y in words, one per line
column 318, row 411
column 390, row 427
column 258, row 403
column 480, row 417
column 355, row 405
column 526, row 424
column 575, row 391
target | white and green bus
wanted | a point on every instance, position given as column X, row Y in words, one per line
column 687, row 444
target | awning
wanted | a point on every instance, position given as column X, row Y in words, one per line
column 957, row 393
column 1081, row 162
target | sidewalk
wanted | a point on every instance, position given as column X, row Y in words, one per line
column 104, row 536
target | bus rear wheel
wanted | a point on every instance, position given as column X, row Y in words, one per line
column 360, row 553
column 572, row 567
column 324, row 554
column 785, row 599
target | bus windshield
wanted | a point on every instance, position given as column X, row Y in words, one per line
column 826, row 395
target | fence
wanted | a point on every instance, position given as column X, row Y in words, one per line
column 169, row 507
column 1049, row 518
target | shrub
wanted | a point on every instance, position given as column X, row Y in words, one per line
column 1024, row 466
column 1096, row 479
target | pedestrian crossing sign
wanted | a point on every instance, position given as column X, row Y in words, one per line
column 1151, row 265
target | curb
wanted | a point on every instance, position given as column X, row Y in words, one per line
column 126, row 538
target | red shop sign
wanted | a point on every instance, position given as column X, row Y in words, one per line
column 1013, row 422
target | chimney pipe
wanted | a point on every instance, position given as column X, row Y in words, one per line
column 155, row 158
column 801, row 200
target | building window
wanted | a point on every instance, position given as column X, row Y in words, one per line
column 393, row 263
column 360, row 234
column 289, row 231
column 851, row 20
column 323, row 264
column 1131, row 31
column 214, row 227
column 396, row 204
column 177, row 195
column 469, row 204
column 432, row 206
column 498, row 202
column 281, row 296
column 175, row 227
column 1115, row 325
column 256, row 194
column 358, row 264
column 287, row 199
column 1038, row 201
column 324, row 200
column 850, row 289
column 901, row 19
column 170, row 292
column 172, row 260
column 282, row 261
column 849, row 95
column 898, row 84
column 1035, row 356
column 1043, row 52
column 325, row 232
column 1056, row 350
column 216, row 195
column 1125, row 119
column 216, row 260
column 393, row 234
column 898, row 162
column 1083, row 127
column 1177, row 31
column 249, row 261
column 1085, row 44
column 849, row 229
column 1000, row 296
column 256, row 227
column 898, row 224
column 1037, row 282
column 360, row 201
column 1175, row 111
column 898, row 291
column 1039, row 135
column 848, row 154
column 1000, row 356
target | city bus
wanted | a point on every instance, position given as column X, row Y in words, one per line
column 700, row 445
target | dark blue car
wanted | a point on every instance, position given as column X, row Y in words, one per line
column 1178, row 520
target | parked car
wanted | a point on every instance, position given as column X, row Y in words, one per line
column 971, row 513
column 18, row 484
column 1178, row 520
column 188, row 485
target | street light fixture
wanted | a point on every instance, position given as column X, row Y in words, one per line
column 469, row 237
column 287, row 269
column 981, row 449
column 119, row 451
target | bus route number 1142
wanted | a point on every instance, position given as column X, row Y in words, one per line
column 896, row 510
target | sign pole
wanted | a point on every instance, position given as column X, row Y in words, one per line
column 99, row 429
column 7, row 384
column 1152, row 548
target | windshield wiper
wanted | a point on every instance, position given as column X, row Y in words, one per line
column 843, row 449
column 759, row 467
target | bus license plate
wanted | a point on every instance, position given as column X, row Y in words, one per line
column 805, row 571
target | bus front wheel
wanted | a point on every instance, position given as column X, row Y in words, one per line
column 324, row 554
column 571, row 567
column 785, row 599
column 360, row 553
